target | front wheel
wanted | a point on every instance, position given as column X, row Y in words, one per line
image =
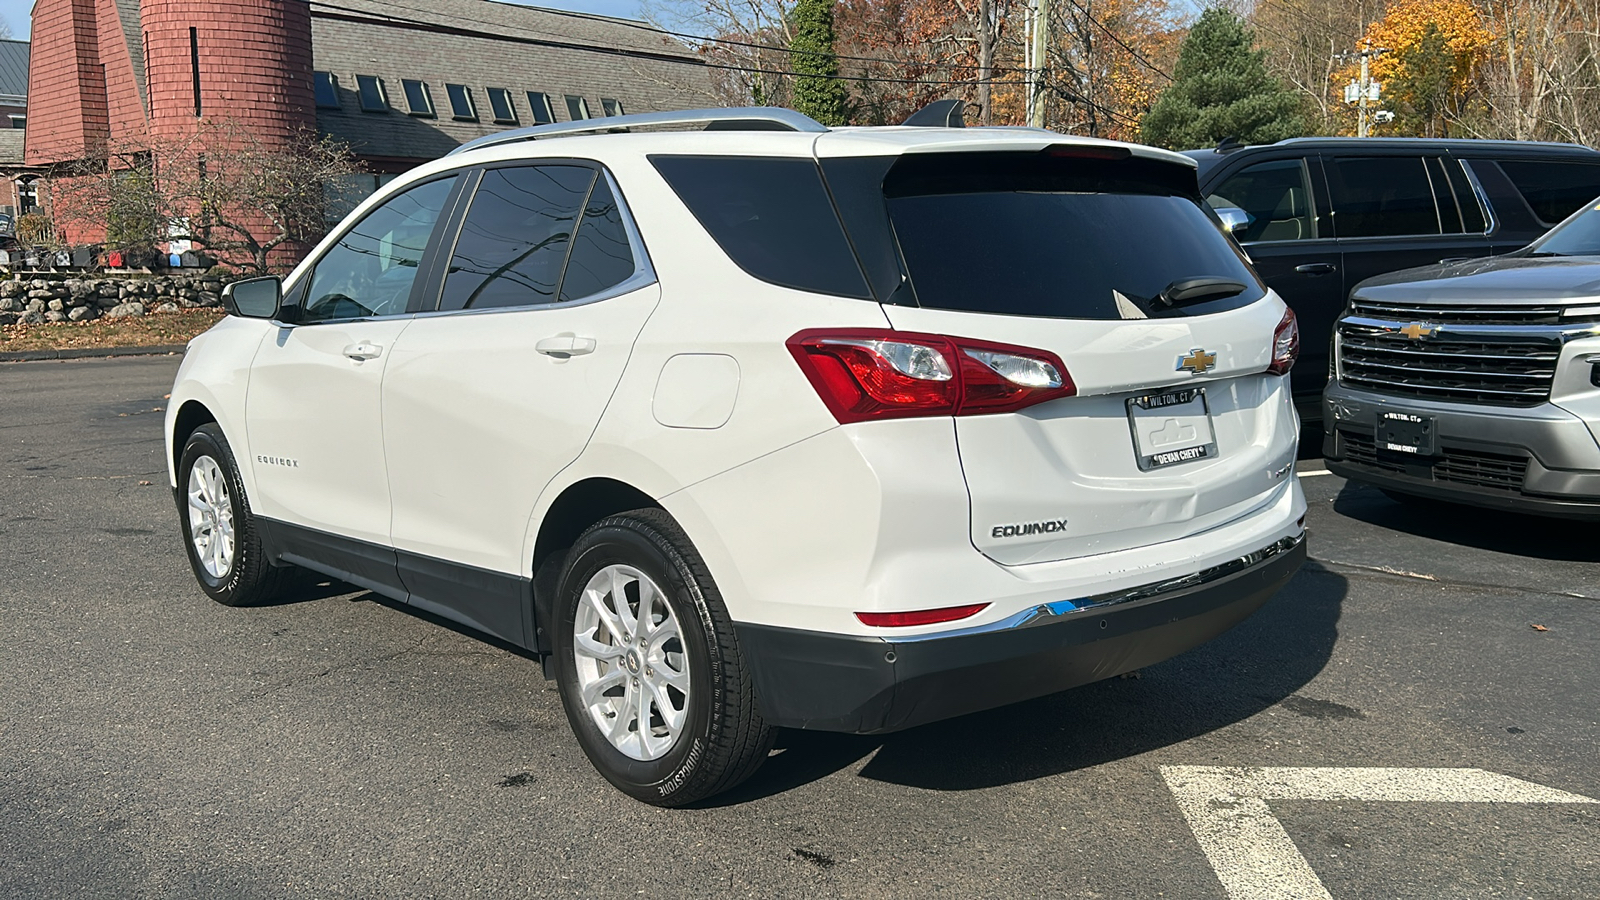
column 648, row 666
column 218, row 530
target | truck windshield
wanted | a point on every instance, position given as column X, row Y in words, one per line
column 1578, row 236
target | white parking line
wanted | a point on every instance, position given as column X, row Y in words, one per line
column 1312, row 473
column 1253, row 856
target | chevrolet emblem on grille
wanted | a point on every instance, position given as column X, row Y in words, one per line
column 1198, row 361
column 1417, row 331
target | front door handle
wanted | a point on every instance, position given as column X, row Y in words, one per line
column 1316, row 269
column 363, row 351
column 565, row 345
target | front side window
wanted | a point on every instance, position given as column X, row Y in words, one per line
column 373, row 96
column 577, row 108
column 370, row 270
column 500, row 105
column 419, row 101
column 1382, row 196
column 461, row 105
column 515, row 237
column 1275, row 195
column 1554, row 190
column 539, row 104
column 327, row 88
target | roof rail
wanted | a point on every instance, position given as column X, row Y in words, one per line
column 752, row 118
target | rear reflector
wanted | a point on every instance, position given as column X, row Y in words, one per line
column 920, row 617
column 876, row 373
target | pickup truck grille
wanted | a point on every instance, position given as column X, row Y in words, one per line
column 1476, row 468
column 1474, row 314
column 1498, row 370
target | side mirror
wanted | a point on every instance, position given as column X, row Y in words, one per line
column 1233, row 218
column 254, row 298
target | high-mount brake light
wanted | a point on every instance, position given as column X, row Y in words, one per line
column 876, row 373
column 920, row 616
column 1087, row 151
column 1285, row 344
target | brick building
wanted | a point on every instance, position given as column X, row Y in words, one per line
column 402, row 81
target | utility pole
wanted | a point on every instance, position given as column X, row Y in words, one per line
column 1038, row 54
column 1364, row 90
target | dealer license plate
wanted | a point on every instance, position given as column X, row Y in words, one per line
column 1171, row 428
column 1406, row 433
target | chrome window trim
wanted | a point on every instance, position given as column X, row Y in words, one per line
column 1490, row 223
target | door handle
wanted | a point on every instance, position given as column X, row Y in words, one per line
column 1316, row 269
column 363, row 351
column 565, row 345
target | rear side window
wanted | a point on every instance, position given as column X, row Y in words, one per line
column 1380, row 196
column 514, row 239
column 1554, row 190
column 602, row 257
column 772, row 216
column 1023, row 235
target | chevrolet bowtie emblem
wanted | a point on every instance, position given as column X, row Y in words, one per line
column 1198, row 361
column 1417, row 330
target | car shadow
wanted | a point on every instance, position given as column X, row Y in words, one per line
column 1261, row 662
column 1535, row 537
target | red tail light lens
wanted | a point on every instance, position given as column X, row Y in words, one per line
column 871, row 373
column 920, row 617
column 1285, row 344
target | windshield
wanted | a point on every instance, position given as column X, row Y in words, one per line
column 1064, row 238
column 1577, row 236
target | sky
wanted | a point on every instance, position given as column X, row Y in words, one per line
column 15, row 13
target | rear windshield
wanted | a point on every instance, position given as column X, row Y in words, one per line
column 1033, row 235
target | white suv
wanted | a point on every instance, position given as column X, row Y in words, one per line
column 763, row 425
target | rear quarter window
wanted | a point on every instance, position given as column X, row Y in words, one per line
column 1554, row 190
column 772, row 216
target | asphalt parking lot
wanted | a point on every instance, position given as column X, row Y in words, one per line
column 155, row 744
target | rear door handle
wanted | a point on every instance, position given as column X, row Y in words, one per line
column 1316, row 269
column 363, row 351
column 565, row 345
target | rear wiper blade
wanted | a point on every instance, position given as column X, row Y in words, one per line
column 1190, row 290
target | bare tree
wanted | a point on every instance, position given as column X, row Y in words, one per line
column 244, row 200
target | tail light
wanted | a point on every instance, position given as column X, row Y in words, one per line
column 876, row 373
column 1285, row 344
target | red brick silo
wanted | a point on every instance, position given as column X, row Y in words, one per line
column 242, row 61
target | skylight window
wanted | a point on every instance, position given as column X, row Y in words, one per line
column 500, row 104
column 419, row 102
column 539, row 103
column 327, row 90
column 577, row 108
column 612, row 106
column 373, row 97
column 461, row 107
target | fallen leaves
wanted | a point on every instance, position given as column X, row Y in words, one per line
column 1540, row 628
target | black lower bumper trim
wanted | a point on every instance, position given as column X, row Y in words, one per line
column 870, row 685
column 1508, row 501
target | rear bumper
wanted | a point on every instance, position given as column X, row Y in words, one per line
column 868, row 685
column 1541, row 460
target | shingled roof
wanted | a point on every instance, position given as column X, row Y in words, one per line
column 482, row 44
column 13, row 71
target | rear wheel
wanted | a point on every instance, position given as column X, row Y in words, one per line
column 218, row 530
column 649, row 669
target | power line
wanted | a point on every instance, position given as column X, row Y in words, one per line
column 1113, row 35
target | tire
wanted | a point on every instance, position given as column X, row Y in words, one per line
column 213, row 511
column 720, row 739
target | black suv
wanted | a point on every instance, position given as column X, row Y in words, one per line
column 1320, row 215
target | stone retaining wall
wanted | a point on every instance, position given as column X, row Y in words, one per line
column 38, row 300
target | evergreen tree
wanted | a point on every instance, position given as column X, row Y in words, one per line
column 1221, row 88
column 818, row 91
